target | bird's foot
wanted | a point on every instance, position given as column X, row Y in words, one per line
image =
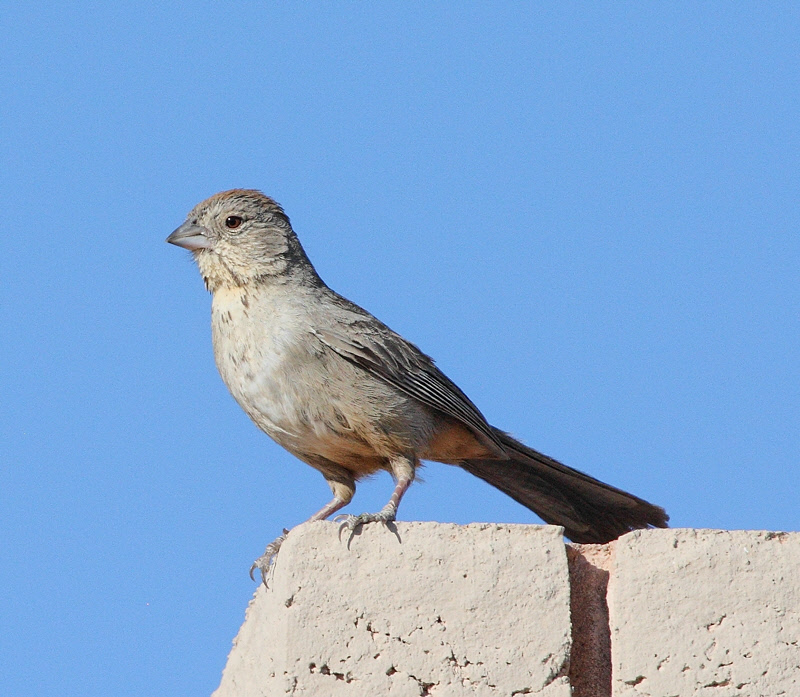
column 351, row 522
column 264, row 562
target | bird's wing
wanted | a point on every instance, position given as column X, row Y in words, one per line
column 371, row 345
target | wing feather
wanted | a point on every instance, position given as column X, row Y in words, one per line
column 371, row 345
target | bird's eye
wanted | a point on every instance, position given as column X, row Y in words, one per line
column 233, row 221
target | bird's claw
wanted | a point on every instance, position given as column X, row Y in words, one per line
column 351, row 522
column 265, row 561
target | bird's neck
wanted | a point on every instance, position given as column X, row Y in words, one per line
column 285, row 270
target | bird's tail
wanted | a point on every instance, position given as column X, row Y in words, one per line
column 589, row 511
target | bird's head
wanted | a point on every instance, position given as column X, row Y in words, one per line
column 241, row 237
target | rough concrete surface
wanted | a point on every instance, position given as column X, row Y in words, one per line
column 429, row 609
column 705, row 612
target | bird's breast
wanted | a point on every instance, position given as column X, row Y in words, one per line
column 259, row 350
column 305, row 396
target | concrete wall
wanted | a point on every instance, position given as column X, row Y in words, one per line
column 446, row 610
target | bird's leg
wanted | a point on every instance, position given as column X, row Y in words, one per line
column 264, row 561
column 403, row 469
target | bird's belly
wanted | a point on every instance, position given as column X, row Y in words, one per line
column 258, row 379
column 302, row 422
column 281, row 383
column 304, row 396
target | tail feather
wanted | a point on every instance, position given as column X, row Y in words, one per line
column 589, row 510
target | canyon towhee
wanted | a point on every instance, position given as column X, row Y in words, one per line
column 344, row 393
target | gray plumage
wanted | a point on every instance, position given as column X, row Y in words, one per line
column 344, row 393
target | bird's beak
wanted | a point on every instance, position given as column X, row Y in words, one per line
column 190, row 236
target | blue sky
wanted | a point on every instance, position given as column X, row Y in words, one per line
column 588, row 214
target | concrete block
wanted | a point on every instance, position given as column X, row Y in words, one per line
column 429, row 609
column 705, row 612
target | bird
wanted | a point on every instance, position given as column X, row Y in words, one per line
column 345, row 394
